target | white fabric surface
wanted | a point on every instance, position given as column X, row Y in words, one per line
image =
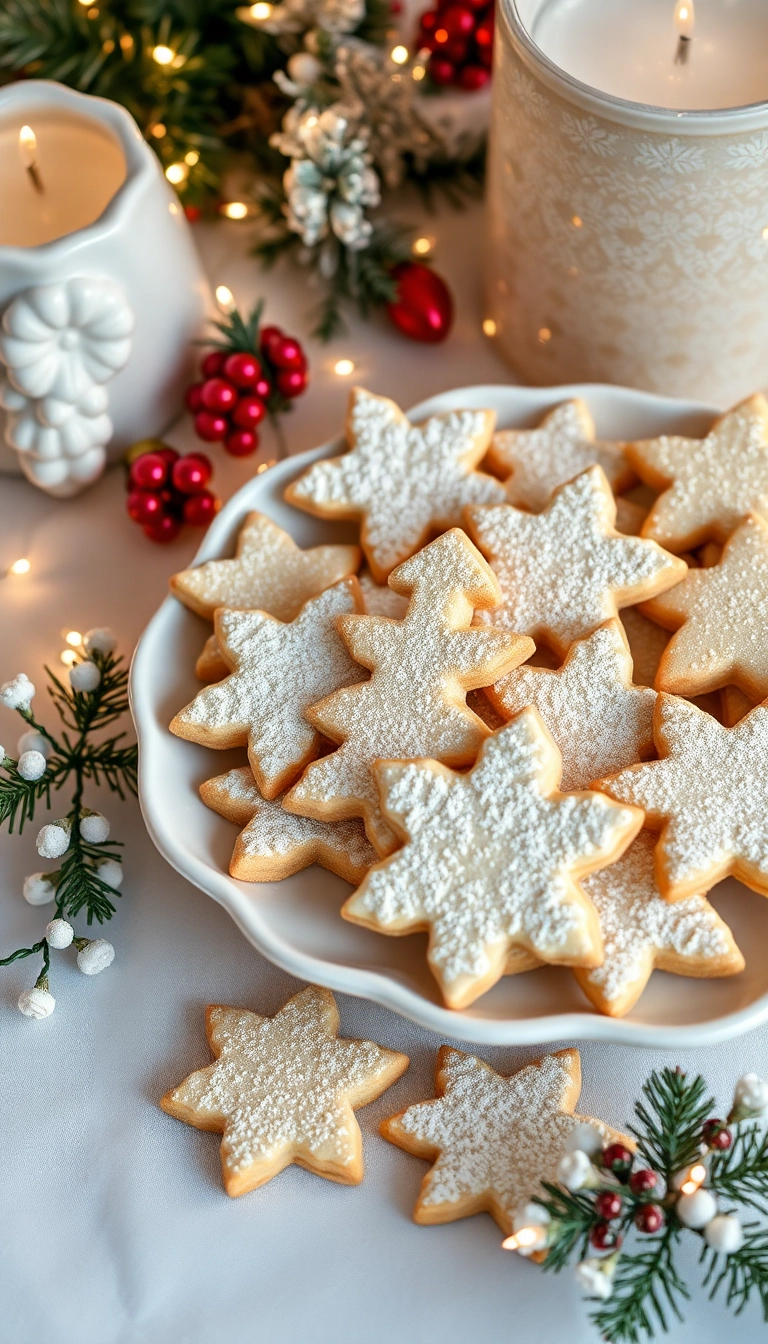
column 116, row 1229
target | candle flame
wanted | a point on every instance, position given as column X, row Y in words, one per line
column 27, row 146
column 684, row 18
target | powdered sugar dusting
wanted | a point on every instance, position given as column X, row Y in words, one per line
column 564, row 572
column 599, row 720
column 406, row 480
column 562, row 446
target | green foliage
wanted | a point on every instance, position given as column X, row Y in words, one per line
column 671, row 1117
column 741, row 1173
column 646, row 1289
column 742, row 1274
column 574, row 1215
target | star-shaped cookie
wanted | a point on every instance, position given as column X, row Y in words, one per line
column 600, row 721
column 406, row 482
column 415, row 701
column 283, row 1089
column 492, row 1140
column 721, row 617
column 708, row 793
column 276, row 843
column 712, row 483
column 277, row 671
column 565, row 571
column 641, row 930
column 534, row 462
column 491, row 860
column 269, row 573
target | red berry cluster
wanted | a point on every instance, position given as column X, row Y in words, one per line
column 239, row 387
column 166, row 490
column 610, row 1205
column 459, row 38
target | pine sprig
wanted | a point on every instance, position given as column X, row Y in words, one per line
column 80, row 887
column 741, row 1173
column 647, row 1288
column 670, row 1120
column 19, row 797
column 743, row 1273
column 574, row 1216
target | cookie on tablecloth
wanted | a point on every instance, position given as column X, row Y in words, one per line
column 534, row 462
column 405, row 482
column 275, row 843
column 414, row 703
column 492, row 1140
column 708, row 484
column 491, row 861
column 709, row 795
column 277, row 670
column 284, row 1089
column 567, row 570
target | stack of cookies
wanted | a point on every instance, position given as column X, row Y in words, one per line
column 488, row 729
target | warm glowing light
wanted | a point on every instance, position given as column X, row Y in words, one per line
column 685, row 18
column 192, row 157
column 173, row 207
column 510, row 1243
column 68, row 657
column 126, row 42
column 489, row 327
column 20, row 567
column 158, row 130
column 343, row 367
column 577, row 222
column 399, row 55
column 545, row 335
column 419, row 71
column 765, row 233
column 108, row 47
column 527, row 1235
column 162, row 54
column 261, row 11
column 73, row 637
column 85, row 3
column 177, row 173
column 225, row 298
column 27, row 146
column 698, row 1173
column 235, row 209
column 423, row 246
column 264, row 466
column 441, row 35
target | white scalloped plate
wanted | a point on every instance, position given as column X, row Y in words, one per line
column 296, row 922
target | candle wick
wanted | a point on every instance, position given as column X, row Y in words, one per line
column 683, row 50
column 33, row 173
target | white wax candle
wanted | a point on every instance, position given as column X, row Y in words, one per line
column 627, row 48
column 81, row 165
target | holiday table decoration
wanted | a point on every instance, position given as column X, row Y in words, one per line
column 90, row 874
column 167, row 489
column 459, row 38
column 100, row 284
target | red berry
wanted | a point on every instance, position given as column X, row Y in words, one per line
column 242, row 369
column 716, row 1134
column 642, row 1181
column 484, row 34
column 193, row 398
column 169, row 455
column 291, row 382
column 618, row 1159
column 144, row 505
column 248, row 412
column 213, row 363
column 649, row 1218
column 165, row 528
column 262, row 388
column 477, row 4
column 442, row 72
column 192, row 473
column 241, row 442
column 200, row 509
column 604, row 1237
column 474, row 77
column 209, row 427
column 268, row 334
column 286, row 353
column 428, row 22
column 459, row 21
column 192, row 212
column 148, row 472
column 608, row 1204
column 218, row 394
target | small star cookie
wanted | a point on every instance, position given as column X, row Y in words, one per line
column 277, row 671
column 492, row 1139
column 491, row 860
column 283, row 1089
column 534, row 462
column 414, row 703
column 406, row 482
column 708, row 793
column 600, row 721
column 567, row 570
column 276, row 843
column 721, row 616
column 713, row 482
column 269, row 573
column 641, row 931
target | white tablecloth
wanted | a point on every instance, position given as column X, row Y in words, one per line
column 115, row 1227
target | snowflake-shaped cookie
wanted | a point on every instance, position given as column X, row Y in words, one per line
column 283, row 1089
column 721, row 618
column 414, row 703
column 276, row 672
column 491, row 860
column 713, row 482
column 493, row 1140
column 709, row 793
column 405, row 481
column 600, row 721
column 276, row 843
column 565, row 571
column 537, row 461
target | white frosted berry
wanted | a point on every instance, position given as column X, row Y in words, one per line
column 53, row 840
column 31, row 740
column 38, row 889
column 36, row 1003
column 95, row 956
column 110, row 872
column 751, row 1094
column 17, row 693
column 724, row 1234
column 94, row 828
column 84, row 677
column 100, row 640
column 697, row 1209
column 304, row 68
column 59, row 934
column 595, row 1277
column 575, row 1171
column 31, row 765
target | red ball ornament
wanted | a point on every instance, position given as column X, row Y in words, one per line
column 164, row 529
column 423, row 309
column 286, row 353
column 200, row 510
column 249, row 412
column 442, row 71
column 218, row 394
column 209, row 427
column 212, row 363
column 148, row 472
column 144, row 505
column 604, row 1237
column 428, row 23
column 191, row 473
column 169, row 455
column 649, row 1218
column 640, row 1182
column 618, row 1159
column 242, row 369
column 193, row 398
column 192, row 212
column 474, row 77
column 608, row 1204
column 459, row 22
column 262, row 388
column 291, row 382
column 241, row 442
column 268, row 334
column 717, row 1135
